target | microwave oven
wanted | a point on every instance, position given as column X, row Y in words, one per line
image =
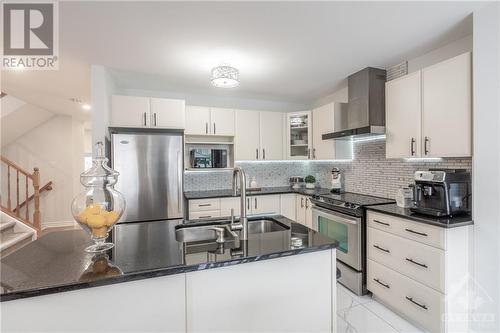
column 206, row 158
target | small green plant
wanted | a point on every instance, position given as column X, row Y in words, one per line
column 310, row 179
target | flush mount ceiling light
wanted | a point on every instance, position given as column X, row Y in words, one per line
column 83, row 105
column 225, row 77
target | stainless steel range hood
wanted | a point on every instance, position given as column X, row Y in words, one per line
column 364, row 114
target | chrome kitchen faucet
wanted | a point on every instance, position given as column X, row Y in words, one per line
column 243, row 223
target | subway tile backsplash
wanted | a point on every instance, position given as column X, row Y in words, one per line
column 369, row 173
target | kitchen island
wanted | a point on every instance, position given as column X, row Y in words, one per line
column 280, row 279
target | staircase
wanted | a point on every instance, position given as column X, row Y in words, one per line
column 20, row 221
column 13, row 235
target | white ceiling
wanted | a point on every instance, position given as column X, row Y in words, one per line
column 295, row 52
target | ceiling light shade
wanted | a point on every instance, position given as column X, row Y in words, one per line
column 225, row 77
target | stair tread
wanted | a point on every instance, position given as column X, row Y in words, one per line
column 6, row 224
column 10, row 239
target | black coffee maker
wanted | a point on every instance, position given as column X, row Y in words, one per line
column 442, row 192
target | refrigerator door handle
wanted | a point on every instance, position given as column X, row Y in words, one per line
column 179, row 179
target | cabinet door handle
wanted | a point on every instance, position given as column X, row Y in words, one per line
column 416, row 263
column 381, row 283
column 309, row 153
column 301, row 202
column 412, row 147
column 155, row 118
column 255, row 203
column 144, row 118
column 248, row 203
column 263, row 154
column 426, row 141
column 314, row 153
column 257, row 153
column 416, row 303
column 416, row 232
column 381, row 248
column 214, row 128
column 307, row 203
column 206, row 128
column 383, row 223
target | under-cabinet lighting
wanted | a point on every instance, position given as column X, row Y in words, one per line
column 370, row 138
column 423, row 159
column 294, row 161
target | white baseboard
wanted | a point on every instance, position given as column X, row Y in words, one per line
column 58, row 224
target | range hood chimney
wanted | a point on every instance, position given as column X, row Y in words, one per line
column 364, row 114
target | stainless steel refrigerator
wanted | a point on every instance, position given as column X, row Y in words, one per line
column 151, row 173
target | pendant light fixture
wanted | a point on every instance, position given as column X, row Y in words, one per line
column 225, row 77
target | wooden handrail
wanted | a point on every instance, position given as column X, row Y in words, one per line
column 35, row 221
column 46, row 187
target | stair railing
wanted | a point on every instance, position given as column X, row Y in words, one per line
column 33, row 220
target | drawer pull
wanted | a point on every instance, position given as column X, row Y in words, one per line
column 205, row 217
column 416, row 263
column 204, row 205
column 417, row 233
column 417, row 303
column 381, row 248
column 383, row 223
column 381, row 283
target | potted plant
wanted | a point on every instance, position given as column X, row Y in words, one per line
column 310, row 181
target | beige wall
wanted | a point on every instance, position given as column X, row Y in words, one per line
column 57, row 147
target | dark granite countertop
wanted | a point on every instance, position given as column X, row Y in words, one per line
column 57, row 262
column 444, row 222
column 263, row 191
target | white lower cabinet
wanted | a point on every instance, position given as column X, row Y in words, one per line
column 265, row 204
column 200, row 209
column 288, row 206
column 264, row 296
column 147, row 305
column 421, row 271
column 303, row 210
column 418, row 302
column 226, row 204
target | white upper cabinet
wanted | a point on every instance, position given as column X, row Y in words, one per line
column 432, row 107
column 201, row 120
column 247, row 135
column 403, row 107
column 271, row 135
column 167, row 113
column 447, row 105
column 222, row 121
column 130, row 111
column 134, row 111
column 259, row 135
column 323, row 122
column 299, row 135
column 197, row 120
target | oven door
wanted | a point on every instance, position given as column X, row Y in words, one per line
column 345, row 229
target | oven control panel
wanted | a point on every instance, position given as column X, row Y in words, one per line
column 333, row 203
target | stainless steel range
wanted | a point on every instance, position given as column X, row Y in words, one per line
column 342, row 217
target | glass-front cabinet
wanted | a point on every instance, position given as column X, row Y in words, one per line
column 299, row 135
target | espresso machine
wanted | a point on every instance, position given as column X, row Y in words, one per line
column 443, row 192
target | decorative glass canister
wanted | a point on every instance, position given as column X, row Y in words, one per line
column 99, row 206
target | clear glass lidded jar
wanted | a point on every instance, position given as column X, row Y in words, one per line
column 99, row 206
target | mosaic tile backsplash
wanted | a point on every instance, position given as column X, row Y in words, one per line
column 369, row 173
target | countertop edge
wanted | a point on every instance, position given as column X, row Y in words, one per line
column 423, row 219
column 158, row 273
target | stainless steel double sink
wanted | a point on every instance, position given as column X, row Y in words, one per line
column 220, row 231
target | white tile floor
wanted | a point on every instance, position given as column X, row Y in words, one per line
column 362, row 314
